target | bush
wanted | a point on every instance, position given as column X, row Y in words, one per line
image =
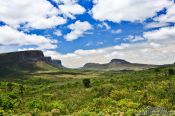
column 9, row 86
column 171, row 71
column 104, row 90
column 35, row 104
column 2, row 112
column 86, row 83
column 103, row 106
column 119, row 94
column 57, row 105
column 13, row 95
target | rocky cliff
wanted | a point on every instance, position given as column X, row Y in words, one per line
column 23, row 57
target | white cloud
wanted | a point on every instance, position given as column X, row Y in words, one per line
column 158, row 49
column 156, row 45
column 104, row 24
column 137, row 52
column 155, row 25
column 12, row 37
column 70, row 8
column 39, row 14
column 134, row 38
column 117, row 31
column 161, row 34
column 169, row 16
column 78, row 29
column 127, row 10
column 58, row 33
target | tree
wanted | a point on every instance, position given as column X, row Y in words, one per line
column 171, row 71
column 86, row 83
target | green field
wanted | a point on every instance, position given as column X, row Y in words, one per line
column 38, row 92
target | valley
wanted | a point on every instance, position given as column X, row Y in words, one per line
column 43, row 88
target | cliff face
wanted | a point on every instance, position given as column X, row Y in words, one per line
column 22, row 56
column 27, row 57
column 57, row 63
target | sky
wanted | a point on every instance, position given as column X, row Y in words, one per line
column 90, row 31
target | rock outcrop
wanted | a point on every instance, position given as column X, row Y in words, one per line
column 22, row 56
column 26, row 57
column 57, row 63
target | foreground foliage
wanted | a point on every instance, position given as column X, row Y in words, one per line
column 84, row 93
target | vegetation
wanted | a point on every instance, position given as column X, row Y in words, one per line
column 87, row 93
column 86, row 83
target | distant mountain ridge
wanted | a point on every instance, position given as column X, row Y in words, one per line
column 31, row 56
column 117, row 64
column 119, row 61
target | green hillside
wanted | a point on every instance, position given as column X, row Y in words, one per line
column 25, row 67
column 38, row 92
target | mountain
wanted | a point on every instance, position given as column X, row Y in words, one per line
column 32, row 60
column 117, row 64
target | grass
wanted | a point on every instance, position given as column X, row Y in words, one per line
column 111, row 92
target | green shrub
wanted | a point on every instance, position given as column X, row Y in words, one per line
column 57, row 105
column 126, row 104
column 13, row 95
column 104, row 90
column 171, row 72
column 35, row 104
column 2, row 112
column 9, row 86
column 103, row 106
column 86, row 83
column 119, row 94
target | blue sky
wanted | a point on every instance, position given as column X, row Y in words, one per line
column 97, row 34
column 90, row 30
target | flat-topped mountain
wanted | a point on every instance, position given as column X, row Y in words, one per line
column 117, row 64
column 23, row 57
column 119, row 61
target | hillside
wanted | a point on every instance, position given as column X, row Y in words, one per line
column 117, row 64
column 26, row 61
column 109, row 93
column 31, row 85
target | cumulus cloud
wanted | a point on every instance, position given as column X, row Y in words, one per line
column 38, row 14
column 78, row 29
column 70, row 8
column 158, row 49
column 127, row 10
column 10, row 37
